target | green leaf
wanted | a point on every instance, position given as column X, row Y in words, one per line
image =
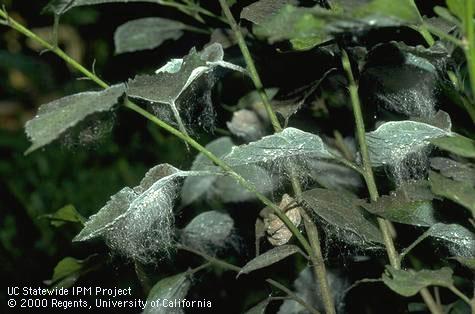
column 209, row 231
column 403, row 11
column 290, row 144
column 64, row 215
column 262, row 10
column 308, row 27
column 54, row 118
column 462, row 193
column 146, row 33
column 459, row 240
column 170, row 82
column 459, row 145
column 404, row 80
column 342, row 215
column 270, row 257
column 133, row 217
column 459, row 171
column 195, row 187
column 296, row 24
column 69, row 269
column 62, row 6
column 247, row 125
column 409, row 204
column 458, row 7
column 409, row 283
column 168, row 290
column 223, row 188
column 393, row 141
column 259, row 308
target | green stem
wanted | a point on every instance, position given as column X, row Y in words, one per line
column 370, row 181
column 316, row 250
column 243, row 182
column 368, row 170
column 251, row 66
column 20, row 28
column 443, row 35
column 292, row 295
column 470, row 43
column 422, row 29
column 318, row 266
column 461, row 295
column 210, row 258
column 187, row 9
column 434, row 308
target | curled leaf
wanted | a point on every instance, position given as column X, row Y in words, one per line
column 138, row 222
column 171, row 82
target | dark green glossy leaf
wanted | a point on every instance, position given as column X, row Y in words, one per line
column 270, row 257
column 168, row 289
column 409, row 204
column 462, row 193
column 340, row 211
column 459, row 145
column 146, row 33
column 54, row 118
column 409, row 283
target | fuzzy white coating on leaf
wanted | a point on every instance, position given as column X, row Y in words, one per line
column 139, row 222
column 209, row 231
column 393, row 141
column 55, row 118
column 184, row 85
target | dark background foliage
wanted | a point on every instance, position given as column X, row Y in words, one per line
column 86, row 175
